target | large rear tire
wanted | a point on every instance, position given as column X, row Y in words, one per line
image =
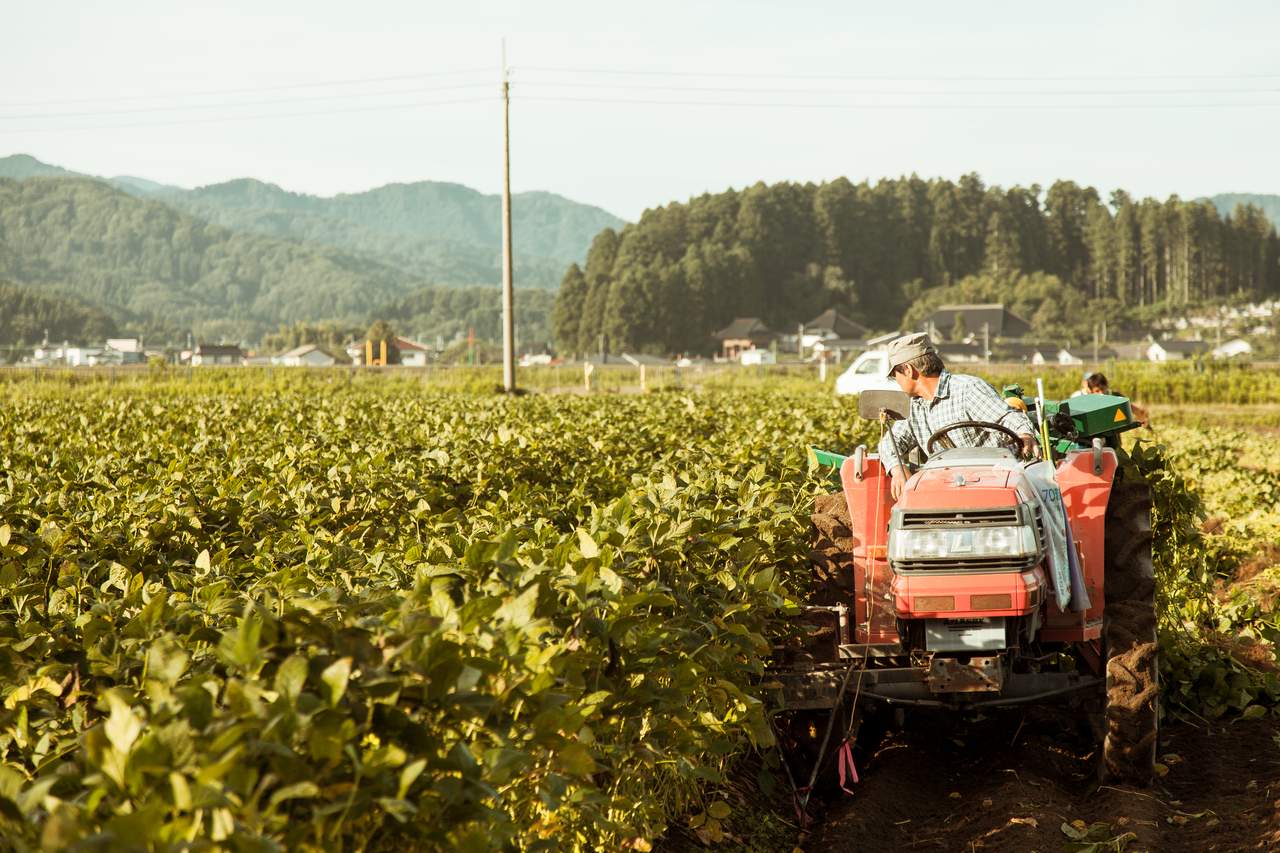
column 1132, row 717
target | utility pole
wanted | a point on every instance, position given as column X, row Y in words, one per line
column 986, row 342
column 508, row 300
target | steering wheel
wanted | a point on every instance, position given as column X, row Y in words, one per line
column 1000, row 428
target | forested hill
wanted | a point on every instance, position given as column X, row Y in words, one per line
column 144, row 262
column 444, row 233
column 22, row 166
column 786, row 252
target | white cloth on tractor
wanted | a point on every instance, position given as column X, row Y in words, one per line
column 1079, row 592
column 1038, row 484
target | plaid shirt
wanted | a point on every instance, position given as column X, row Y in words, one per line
column 959, row 398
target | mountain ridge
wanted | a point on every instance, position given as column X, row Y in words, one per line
column 1226, row 203
column 150, row 266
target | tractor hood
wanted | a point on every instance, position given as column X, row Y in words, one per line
column 959, row 487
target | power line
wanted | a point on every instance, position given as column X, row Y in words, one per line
column 775, row 90
column 255, row 89
column 886, row 77
column 874, row 106
column 219, row 119
column 234, row 104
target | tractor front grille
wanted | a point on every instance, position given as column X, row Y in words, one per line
column 1005, row 515
column 972, row 564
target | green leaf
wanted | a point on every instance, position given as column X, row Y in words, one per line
column 167, row 661
column 122, row 726
column 181, row 791
column 296, row 791
column 519, row 610
column 240, row 647
column 26, row 691
column 291, row 677
column 719, row 810
column 576, row 759
column 408, row 775
column 335, row 677
column 587, row 545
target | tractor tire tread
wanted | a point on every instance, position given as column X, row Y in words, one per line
column 1131, row 718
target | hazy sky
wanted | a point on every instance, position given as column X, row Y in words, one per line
column 719, row 94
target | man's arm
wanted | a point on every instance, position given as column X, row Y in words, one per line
column 985, row 404
column 898, row 439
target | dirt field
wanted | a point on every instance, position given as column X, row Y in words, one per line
column 1010, row 782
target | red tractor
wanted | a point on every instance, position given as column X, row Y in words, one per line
column 951, row 598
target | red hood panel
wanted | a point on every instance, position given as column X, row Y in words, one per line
column 939, row 487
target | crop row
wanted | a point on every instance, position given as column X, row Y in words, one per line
column 362, row 621
column 1170, row 383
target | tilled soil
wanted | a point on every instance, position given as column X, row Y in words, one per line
column 1009, row 783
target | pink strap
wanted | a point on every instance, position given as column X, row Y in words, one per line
column 844, row 759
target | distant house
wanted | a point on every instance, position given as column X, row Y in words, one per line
column 307, row 355
column 996, row 320
column 412, row 353
column 744, row 333
column 1176, row 350
column 127, row 350
column 85, row 356
column 45, row 355
column 831, row 325
column 757, row 356
column 1235, row 348
column 209, row 354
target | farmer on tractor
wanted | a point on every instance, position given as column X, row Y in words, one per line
column 947, row 410
column 978, row 578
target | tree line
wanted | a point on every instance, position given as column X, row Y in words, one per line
column 29, row 317
column 785, row 252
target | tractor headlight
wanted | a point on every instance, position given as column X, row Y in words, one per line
column 933, row 543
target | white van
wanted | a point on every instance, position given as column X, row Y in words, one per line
column 869, row 372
